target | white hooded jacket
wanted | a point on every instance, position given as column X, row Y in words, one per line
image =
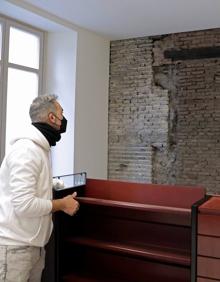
column 26, row 191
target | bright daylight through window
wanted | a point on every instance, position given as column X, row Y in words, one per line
column 21, row 71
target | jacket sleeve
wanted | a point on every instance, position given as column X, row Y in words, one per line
column 25, row 166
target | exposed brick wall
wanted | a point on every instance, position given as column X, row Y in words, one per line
column 198, row 131
column 168, row 110
column 138, row 111
column 131, row 162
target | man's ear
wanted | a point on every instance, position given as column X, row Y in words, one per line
column 52, row 117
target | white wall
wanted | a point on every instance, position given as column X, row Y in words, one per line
column 60, row 73
column 91, row 119
column 82, row 84
column 81, row 81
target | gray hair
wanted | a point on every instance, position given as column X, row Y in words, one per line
column 41, row 107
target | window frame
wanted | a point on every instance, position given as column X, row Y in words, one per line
column 6, row 23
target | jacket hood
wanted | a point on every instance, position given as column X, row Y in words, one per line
column 33, row 134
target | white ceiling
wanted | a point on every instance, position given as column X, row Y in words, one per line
column 120, row 19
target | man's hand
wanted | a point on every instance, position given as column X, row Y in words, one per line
column 67, row 204
column 70, row 205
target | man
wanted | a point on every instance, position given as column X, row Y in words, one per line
column 26, row 203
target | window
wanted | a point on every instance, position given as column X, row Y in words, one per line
column 20, row 76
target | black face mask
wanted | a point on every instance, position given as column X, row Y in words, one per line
column 63, row 125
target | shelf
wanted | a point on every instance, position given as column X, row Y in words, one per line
column 133, row 206
column 138, row 211
column 152, row 252
column 90, row 278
